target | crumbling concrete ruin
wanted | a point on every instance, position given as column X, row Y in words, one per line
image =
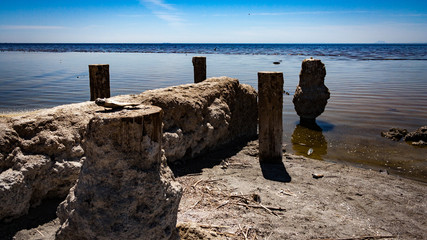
column 311, row 95
column 124, row 190
column 41, row 153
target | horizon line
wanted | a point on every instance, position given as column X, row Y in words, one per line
column 379, row 43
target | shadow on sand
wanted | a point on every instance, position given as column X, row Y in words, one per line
column 275, row 172
column 39, row 215
column 207, row 160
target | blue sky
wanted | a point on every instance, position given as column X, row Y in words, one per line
column 205, row 21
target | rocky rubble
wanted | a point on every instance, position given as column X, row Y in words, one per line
column 394, row 134
column 417, row 138
column 419, row 135
column 41, row 152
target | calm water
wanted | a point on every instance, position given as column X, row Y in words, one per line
column 373, row 87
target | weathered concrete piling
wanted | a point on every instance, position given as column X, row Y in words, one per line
column 270, row 104
column 311, row 95
column 99, row 77
column 125, row 189
column 199, row 64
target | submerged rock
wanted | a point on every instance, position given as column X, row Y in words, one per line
column 419, row 135
column 311, row 95
column 395, row 134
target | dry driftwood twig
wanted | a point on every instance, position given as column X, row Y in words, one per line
column 194, row 185
column 222, row 205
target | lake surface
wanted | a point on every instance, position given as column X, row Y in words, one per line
column 373, row 87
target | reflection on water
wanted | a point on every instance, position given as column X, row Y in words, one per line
column 306, row 137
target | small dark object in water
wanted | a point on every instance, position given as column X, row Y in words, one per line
column 276, row 62
column 395, row 134
column 287, row 93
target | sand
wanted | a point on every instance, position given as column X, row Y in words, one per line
column 229, row 195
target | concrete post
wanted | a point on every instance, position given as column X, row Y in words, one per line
column 123, row 191
column 99, row 76
column 199, row 64
column 270, row 103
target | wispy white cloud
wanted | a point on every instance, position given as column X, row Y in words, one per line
column 171, row 18
column 30, row 27
column 164, row 11
column 158, row 4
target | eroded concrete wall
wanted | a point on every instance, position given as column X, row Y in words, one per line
column 41, row 152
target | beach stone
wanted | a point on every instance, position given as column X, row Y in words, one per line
column 197, row 119
column 395, row 134
column 419, row 135
column 125, row 189
column 311, row 95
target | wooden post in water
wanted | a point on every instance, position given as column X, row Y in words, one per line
column 99, row 76
column 199, row 64
column 270, row 104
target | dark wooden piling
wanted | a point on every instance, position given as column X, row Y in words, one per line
column 99, row 76
column 199, row 64
column 270, row 103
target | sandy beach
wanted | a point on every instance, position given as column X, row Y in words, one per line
column 231, row 196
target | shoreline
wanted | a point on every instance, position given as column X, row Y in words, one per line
column 375, row 167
